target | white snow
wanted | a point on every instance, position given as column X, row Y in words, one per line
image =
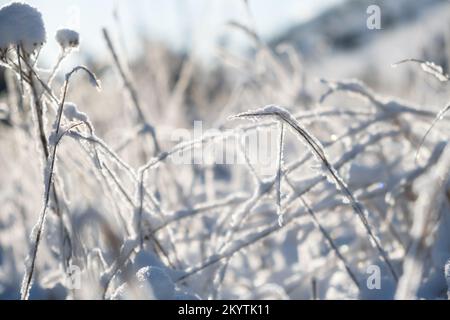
column 72, row 113
column 158, row 281
column 21, row 25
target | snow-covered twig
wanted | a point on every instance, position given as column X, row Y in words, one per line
column 132, row 92
column 316, row 148
column 48, row 184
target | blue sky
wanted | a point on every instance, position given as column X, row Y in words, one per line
column 196, row 23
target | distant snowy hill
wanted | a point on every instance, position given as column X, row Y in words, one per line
column 344, row 27
column 338, row 45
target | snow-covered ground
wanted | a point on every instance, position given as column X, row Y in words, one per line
column 328, row 189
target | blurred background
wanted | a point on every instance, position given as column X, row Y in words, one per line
column 330, row 35
column 191, row 25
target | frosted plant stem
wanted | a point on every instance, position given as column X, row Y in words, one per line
column 138, row 223
column 331, row 242
column 26, row 286
column 44, row 144
column 48, row 184
column 140, row 209
column 438, row 118
column 38, row 78
column 426, row 214
column 222, row 270
column 236, row 246
column 279, row 176
column 20, row 70
column 54, row 71
column 132, row 92
column 246, row 241
column 40, row 119
column 192, row 212
column 319, row 153
column 437, row 72
column 357, row 150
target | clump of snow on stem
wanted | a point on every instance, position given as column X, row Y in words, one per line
column 72, row 113
column 68, row 39
column 158, row 281
column 21, row 25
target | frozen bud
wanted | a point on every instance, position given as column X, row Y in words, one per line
column 68, row 39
